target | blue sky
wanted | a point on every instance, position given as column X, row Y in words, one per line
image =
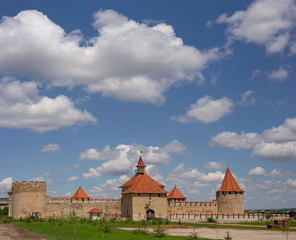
column 195, row 85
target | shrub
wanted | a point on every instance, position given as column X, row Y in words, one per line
column 167, row 222
column 294, row 217
column 180, row 223
column 106, row 228
column 193, row 236
column 141, row 230
column 212, row 220
column 159, row 232
column 154, row 222
column 227, row 237
column 28, row 219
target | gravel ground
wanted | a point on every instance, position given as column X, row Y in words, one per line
column 236, row 234
column 10, row 232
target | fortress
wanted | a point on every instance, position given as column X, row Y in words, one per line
column 142, row 198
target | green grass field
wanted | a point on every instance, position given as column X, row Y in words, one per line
column 64, row 230
column 82, row 229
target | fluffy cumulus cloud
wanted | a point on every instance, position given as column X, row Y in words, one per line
column 257, row 171
column 51, row 148
column 291, row 183
column 214, row 165
column 283, row 133
column 265, row 22
column 127, row 60
column 109, row 189
column 278, row 75
column 72, row 179
column 236, row 141
column 21, row 106
column 275, row 144
column 5, row 186
column 285, row 152
column 206, row 110
column 190, row 180
column 123, row 158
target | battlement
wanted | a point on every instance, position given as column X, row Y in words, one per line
column 193, row 203
column 91, row 200
column 30, row 186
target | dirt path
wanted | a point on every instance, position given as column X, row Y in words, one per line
column 236, row 234
column 10, row 232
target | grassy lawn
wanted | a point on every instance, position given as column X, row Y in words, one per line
column 85, row 229
column 65, row 230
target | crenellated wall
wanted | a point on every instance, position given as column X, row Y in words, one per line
column 192, row 206
column 63, row 207
column 221, row 217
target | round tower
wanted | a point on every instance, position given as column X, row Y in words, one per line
column 28, row 199
column 230, row 197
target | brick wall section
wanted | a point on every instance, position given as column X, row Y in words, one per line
column 58, row 208
column 158, row 203
column 193, row 206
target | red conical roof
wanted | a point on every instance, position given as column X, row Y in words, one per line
column 80, row 194
column 229, row 184
column 94, row 210
column 175, row 193
column 141, row 163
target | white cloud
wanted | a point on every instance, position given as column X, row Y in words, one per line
column 247, row 99
column 72, row 179
column 21, row 106
column 51, row 148
column 291, row 183
column 185, row 177
column 109, row 189
column 97, row 155
column 206, row 110
column 5, row 186
column 275, row 144
column 257, row 171
column 282, row 133
column 123, row 158
column 214, row 165
column 264, row 22
column 175, row 147
column 283, row 152
column 127, row 60
column 235, row 141
column 279, row 75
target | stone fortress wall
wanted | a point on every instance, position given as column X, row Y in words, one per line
column 30, row 197
column 181, row 207
column 64, row 207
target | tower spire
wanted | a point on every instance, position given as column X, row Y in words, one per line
column 140, row 166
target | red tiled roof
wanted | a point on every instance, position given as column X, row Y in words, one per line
column 229, row 184
column 94, row 210
column 10, row 191
column 80, row 194
column 175, row 193
column 141, row 163
column 142, row 183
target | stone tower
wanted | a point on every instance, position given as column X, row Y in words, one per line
column 142, row 197
column 230, row 197
column 28, row 199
